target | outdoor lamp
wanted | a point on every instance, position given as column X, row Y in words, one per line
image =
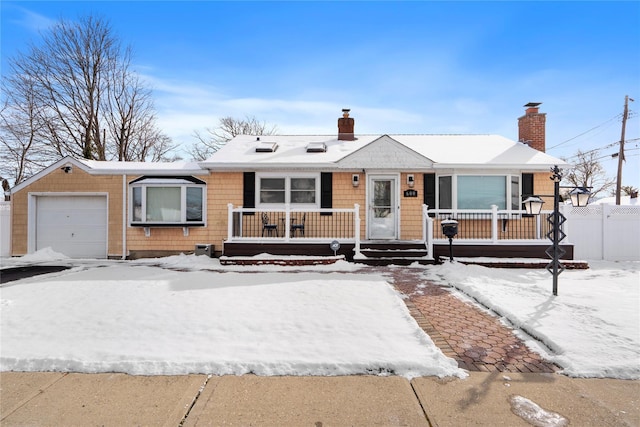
column 579, row 196
column 450, row 229
column 533, row 205
column 410, row 181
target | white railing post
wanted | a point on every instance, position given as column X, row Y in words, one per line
column 425, row 215
column 287, row 221
column 229, row 222
column 430, row 237
column 356, row 213
column 494, row 223
column 427, row 231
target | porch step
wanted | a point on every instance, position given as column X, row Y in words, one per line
column 394, row 253
column 394, row 261
column 397, row 253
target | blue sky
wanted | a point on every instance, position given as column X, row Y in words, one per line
column 402, row 67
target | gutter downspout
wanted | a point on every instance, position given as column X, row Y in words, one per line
column 124, row 216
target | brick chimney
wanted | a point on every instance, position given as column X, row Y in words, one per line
column 345, row 126
column 531, row 127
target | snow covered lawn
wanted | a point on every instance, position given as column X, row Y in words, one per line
column 142, row 319
column 139, row 318
column 591, row 329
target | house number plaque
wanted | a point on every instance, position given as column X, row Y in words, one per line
column 410, row 193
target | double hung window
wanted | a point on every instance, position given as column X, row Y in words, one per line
column 295, row 190
column 167, row 201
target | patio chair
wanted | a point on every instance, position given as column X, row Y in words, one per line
column 298, row 227
column 268, row 226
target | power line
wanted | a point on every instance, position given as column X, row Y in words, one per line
column 615, row 155
column 582, row 153
column 585, row 132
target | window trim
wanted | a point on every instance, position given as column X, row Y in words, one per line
column 172, row 182
column 287, row 189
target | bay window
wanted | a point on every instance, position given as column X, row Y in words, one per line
column 167, row 201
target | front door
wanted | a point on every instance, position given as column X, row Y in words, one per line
column 383, row 210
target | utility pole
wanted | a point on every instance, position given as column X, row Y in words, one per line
column 625, row 114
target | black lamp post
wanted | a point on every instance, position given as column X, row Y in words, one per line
column 450, row 229
column 555, row 234
column 533, row 206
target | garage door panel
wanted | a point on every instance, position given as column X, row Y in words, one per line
column 81, row 218
column 78, row 233
column 72, row 225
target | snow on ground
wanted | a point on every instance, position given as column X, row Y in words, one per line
column 190, row 314
column 534, row 414
column 591, row 329
column 143, row 319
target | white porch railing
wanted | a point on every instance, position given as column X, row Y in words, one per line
column 290, row 224
column 492, row 226
column 303, row 225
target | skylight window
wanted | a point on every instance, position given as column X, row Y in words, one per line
column 266, row 147
column 316, row 147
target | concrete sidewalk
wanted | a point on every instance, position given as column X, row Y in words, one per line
column 39, row 399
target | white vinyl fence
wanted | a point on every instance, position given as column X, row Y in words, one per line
column 604, row 232
column 5, row 228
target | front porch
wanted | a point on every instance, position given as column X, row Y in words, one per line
column 481, row 233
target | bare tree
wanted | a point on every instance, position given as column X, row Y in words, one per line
column 21, row 128
column 228, row 127
column 626, row 190
column 588, row 172
column 87, row 101
column 131, row 122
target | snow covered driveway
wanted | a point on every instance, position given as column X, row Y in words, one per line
column 142, row 319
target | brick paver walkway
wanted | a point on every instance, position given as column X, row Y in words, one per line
column 473, row 337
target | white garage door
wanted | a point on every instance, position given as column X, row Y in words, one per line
column 75, row 226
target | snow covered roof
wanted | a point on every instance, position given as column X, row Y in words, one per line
column 118, row 168
column 95, row 167
column 421, row 151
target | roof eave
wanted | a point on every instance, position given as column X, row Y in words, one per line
column 497, row 166
column 99, row 171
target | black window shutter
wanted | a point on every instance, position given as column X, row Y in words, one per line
column 249, row 191
column 527, row 186
column 430, row 191
column 326, row 191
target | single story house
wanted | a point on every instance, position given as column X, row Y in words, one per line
column 374, row 195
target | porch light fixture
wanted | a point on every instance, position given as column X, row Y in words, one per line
column 410, row 180
column 355, row 179
column 580, row 197
column 533, row 205
column 450, row 229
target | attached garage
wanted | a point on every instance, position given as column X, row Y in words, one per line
column 74, row 225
